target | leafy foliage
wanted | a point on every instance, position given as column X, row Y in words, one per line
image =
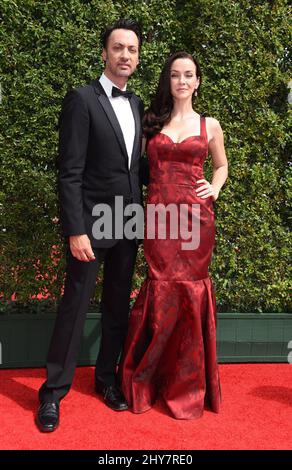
column 48, row 47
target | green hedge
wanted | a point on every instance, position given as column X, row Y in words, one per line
column 49, row 46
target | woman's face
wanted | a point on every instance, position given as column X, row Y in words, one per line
column 183, row 79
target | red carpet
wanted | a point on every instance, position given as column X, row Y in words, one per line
column 256, row 413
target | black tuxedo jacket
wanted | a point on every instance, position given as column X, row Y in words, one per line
column 93, row 160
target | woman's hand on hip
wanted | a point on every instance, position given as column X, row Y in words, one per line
column 206, row 190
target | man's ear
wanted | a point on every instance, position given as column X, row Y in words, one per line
column 104, row 55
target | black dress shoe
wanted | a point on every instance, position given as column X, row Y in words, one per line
column 112, row 396
column 48, row 416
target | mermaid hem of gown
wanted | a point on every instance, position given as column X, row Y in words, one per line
column 171, row 349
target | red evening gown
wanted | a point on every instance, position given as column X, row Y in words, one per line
column 170, row 351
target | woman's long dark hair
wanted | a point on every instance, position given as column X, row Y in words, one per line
column 159, row 112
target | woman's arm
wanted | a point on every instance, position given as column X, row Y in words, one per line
column 219, row 160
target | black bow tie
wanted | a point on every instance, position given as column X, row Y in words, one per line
column 117, row 92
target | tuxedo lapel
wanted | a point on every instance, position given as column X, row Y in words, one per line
column 137, row 119
column 108, row 109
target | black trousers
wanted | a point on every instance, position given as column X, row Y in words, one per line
column 119, row 262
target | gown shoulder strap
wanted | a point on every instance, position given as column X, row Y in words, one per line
column 203, row 127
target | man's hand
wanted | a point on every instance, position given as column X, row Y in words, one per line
column 80, row 247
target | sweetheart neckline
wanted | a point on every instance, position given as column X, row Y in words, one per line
column 176, row 143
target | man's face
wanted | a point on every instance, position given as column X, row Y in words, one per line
column 121, row 54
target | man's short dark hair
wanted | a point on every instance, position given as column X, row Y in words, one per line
column 122, row 24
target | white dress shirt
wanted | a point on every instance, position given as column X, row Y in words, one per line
column 123, row 111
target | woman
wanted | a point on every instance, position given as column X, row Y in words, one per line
column 170, row 350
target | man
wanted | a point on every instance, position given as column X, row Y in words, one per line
column 99, row 157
